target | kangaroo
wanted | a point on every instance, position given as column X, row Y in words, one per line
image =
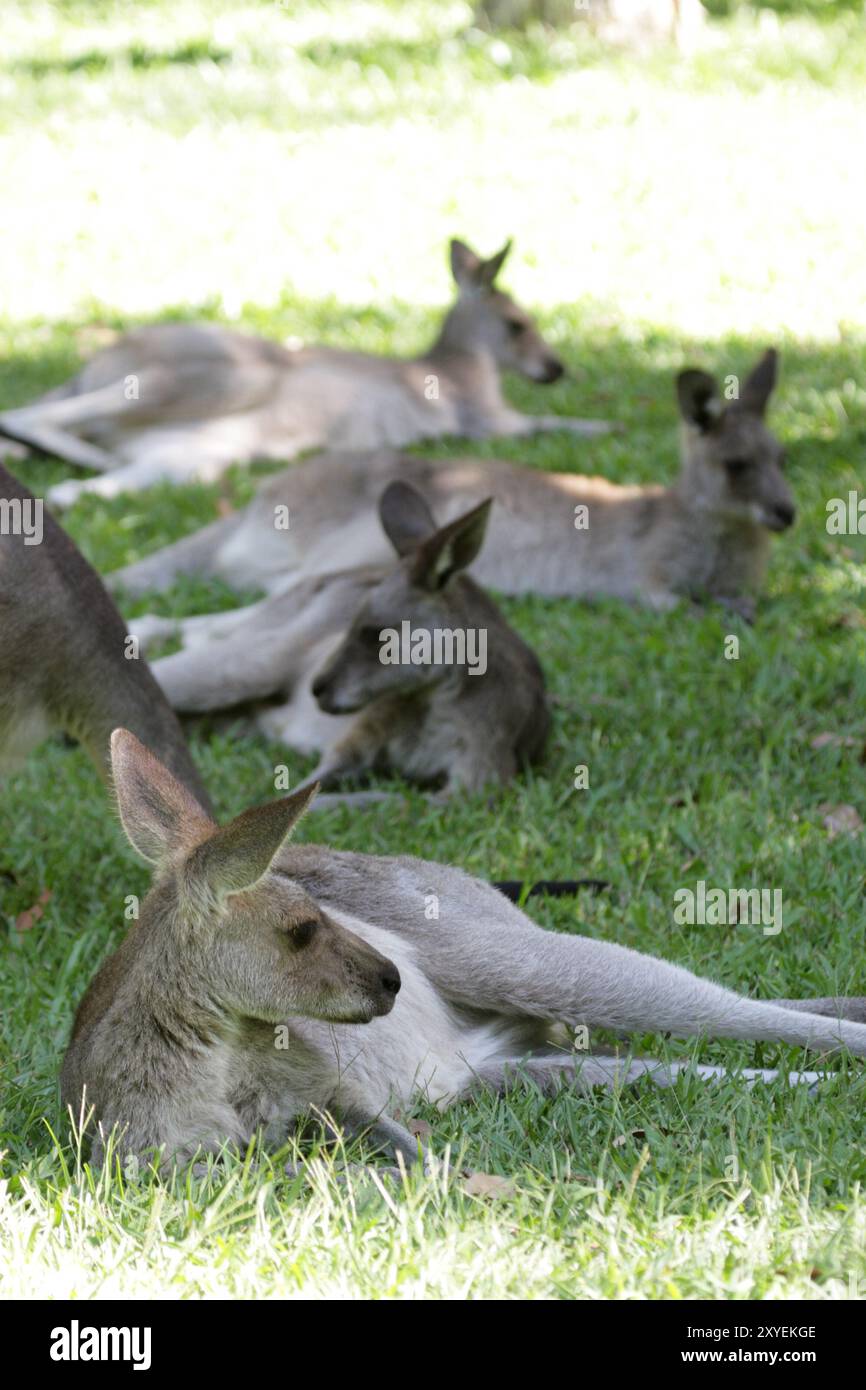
column 705, row 536
column 63, row 661
column 183, row 401
column 264, row 980
column 335, row 652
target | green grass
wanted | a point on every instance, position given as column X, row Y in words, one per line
column 299, row 176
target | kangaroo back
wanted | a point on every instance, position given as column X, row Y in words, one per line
column 64, row 662
column 550, row 533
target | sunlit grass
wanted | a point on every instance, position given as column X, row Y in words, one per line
column 235, row 154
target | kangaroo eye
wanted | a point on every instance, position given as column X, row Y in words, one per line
column 737, row 467
column 302, row 934
column 515, row 327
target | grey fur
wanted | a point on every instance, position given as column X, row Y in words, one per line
column 306, row 658
column 706, row 536
column 180, row 401
column 243, row 935
column 63, row 662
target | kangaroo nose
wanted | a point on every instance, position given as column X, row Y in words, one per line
column 390, row 980
column 553, row 369
column 319, row 686
column 786, row 514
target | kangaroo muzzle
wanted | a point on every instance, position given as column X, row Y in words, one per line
column 551, row 370
column 381, row 987
column 781, row 516
column 327, row 696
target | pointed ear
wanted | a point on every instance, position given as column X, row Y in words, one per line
column 465, row 264
column 451, row 549
column 405, row 516
column 759, row 384
column 237, row 855
column 158, row 813
column 699, row 398
column 491, row 268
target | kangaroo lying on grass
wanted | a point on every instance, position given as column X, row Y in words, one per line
column 550, row 533
column 235, row 1003
column 471, row 711
column 181, row 400
column 63, row 650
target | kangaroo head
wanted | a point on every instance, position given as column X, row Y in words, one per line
column 246, row 937
column 485, row 318
column 421, row 590
column 732, row 463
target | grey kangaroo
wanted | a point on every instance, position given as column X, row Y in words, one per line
column 182, row 401
column 705, row 536
column 264, row 980
column 63, row 650
column 409, row 667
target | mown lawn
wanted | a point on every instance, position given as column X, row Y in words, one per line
column 298, row 170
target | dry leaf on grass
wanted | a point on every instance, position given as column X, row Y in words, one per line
column 840, row 820
column 624, row 1138
column 25, row 920
column 488, row 1185
column 835, row 741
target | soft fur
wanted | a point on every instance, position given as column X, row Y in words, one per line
column 706, row 536
column 185, row 400
column 309, row 661
column 264, row 980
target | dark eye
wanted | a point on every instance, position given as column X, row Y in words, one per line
column 515, row 327
column 736, row 467
column 302, row 934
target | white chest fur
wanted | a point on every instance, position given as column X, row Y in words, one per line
column 421, row 1047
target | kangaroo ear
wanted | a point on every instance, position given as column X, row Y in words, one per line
column 465, row 264
column 699, row 398
column 405, row 516
column 158, row 813
column 491, row 268
column 237, row 855
column 759, row 384
column 451, row 549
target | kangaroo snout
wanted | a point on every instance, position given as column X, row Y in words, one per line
column 326, row 696
column 381, row 986
column 390, row 980
column 781, row 516
column 320, row 689
column 551, row 370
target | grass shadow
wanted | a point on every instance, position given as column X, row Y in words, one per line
column 135, row 56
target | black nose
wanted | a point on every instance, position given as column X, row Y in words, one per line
column 553, row 369
column 390, row 980
column 786, row 514
column 319, row 686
